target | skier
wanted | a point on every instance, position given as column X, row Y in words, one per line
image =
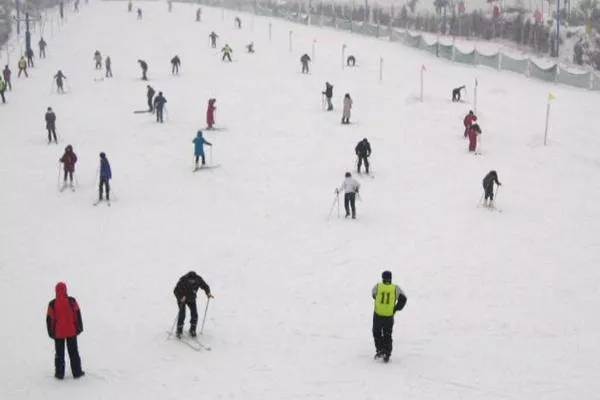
column 159, row 104
column 150, row 95
column 2, row 90
column 198, row 14
column 68, row 159
column 29, row 53
column 305, row 59
column 351, row 61
column 98, row 59
column 144, row 67
column 226, row 50
column 199, row 143
column 210, row 113
column 488, row 188
column 42, row 44
column 59, row 77
column 474, row 132
column 213, row 39
column 139, row 13
column 469, row 119
column 108, row 67
column 50, row 118
column 389, row 298
column 328, row 93
column 456, row 93
column 105, row 177
column 363, row 152
column 175, row 64
column 346, row 111
column 238, row 22
column 129, row 6
column 6, row 73
column 63, row 322
column 350, row 187
column 250, row 47
column 22, row 64
column 185, row 293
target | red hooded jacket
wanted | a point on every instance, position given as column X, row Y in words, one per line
column 69, row 159
column 63, row 319
column 469, row 119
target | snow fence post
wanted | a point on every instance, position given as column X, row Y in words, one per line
column 343, row 54
column 290, row 40
column 380, row 69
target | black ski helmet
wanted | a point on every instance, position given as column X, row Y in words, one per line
column 348, row 175
column 386, row 276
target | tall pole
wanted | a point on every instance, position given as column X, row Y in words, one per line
column 18, row 5
column 557, row 26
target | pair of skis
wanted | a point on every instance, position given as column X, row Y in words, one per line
column 99, row 201
column 192, row 342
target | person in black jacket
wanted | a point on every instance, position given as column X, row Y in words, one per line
column 328, row 93
column 51, row 125
column 159, row 105
column 305, row 59
column 175, row 64
column 456, row 93
column 6, row 73
column 150, row 95
column 488, row 187
column 185, row 293
column 363, row 152
column 144, row 66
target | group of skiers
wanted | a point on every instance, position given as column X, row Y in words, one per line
column 156, row 104
column 69, row 159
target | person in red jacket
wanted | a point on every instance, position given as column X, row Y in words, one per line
column 68, row 159
column 474, row 131
column 63, row 321
column 468, row 121
column 210, row 113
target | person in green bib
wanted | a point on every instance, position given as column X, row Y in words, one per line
column 389, row 298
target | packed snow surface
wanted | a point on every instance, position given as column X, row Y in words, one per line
column 501, row 305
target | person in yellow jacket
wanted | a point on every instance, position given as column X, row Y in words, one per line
column 226, row 50
column 22, row 64
column 389, row 298
column 2, row 90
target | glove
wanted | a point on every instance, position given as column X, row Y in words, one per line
column 210, row 296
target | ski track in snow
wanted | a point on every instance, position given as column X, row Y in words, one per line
column 500, row 305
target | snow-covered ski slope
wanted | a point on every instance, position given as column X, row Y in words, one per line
column 500, row 305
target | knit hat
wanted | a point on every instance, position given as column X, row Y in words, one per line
column 386, row 276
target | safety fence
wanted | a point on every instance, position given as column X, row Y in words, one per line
column 499, row 61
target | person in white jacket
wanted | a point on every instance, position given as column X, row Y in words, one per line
column 350, row 187
column 346, row 110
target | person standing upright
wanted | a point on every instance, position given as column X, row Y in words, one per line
column 50, row 118
column 350, row 187
column 389, row 298
column 64, row 324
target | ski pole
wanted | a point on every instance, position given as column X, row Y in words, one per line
column 211, row 162
column 338, row 203
column 204, row 319
column 335, row 199
column 58, row 179
column 173, row 327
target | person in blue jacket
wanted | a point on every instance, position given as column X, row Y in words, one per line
column 199, row 143
column 105, row 176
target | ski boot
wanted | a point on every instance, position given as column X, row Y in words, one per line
column 386, row 358
column 193, row 332
column 178, row 333
column 378, row 354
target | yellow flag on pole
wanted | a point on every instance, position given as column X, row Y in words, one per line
column 551, row 96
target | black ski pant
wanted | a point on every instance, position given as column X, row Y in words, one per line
column 382, row 334
column 150, row 107
column 175, row 69
column 361, row 159
column 159, row 114
column 305, row 68
column 455, row 95
column 213, row 43
column 59, row 357
column 489, row 192
column 42, row 52
column 108, row 72
column 104, row 184
column 68, row 174
column 144, row 77
column 329, row 104
column 8, row 84
column 350, row 203
column 2, row 95
column 203, row 159
column 52, row 134
column 98, row 64
column 181, row 316
column 30, row 61
column 226, row 56
column 23, row 70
